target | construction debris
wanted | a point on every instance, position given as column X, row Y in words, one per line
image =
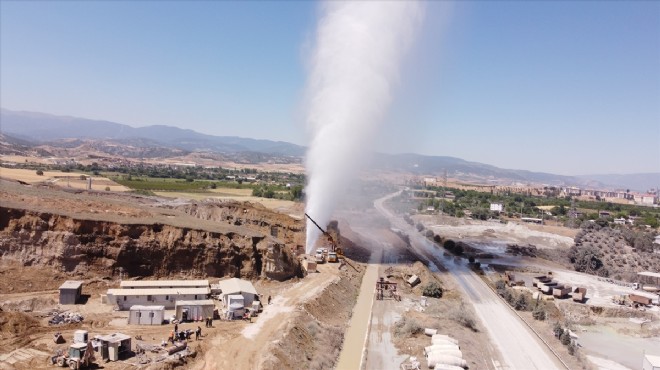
column 65, row 318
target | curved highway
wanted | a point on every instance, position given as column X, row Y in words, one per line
column 519, row 347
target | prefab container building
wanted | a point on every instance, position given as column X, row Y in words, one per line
column 114, row 346
column 163, row 284
column 70, row 292
column 651, row 362
column 125, row 298
column 194, row 310
column 146, row 315
column 236, row 286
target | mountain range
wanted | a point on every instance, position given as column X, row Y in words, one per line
column 22, row 129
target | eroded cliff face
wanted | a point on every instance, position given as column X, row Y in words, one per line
column 253, row 216
column 106, row 248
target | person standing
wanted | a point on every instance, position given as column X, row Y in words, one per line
column 198, row 333
column 268, row 299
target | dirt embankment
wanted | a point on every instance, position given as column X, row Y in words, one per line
column 315, row 335
column 82, row 246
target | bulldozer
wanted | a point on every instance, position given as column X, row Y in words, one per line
column 79, row 355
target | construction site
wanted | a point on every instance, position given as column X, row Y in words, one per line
column 87, row 283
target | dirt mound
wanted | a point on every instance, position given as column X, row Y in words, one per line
column 16, row 328
column 28, row 304
column 315, row 336
column 14, row 323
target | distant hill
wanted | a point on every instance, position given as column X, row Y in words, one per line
column 465, row 170
column 46, row 127
column 636, row 181
column 47, row 132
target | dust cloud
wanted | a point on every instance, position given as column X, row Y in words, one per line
column 354, row 66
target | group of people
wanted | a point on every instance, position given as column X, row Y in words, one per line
column 209, row 322
column 183, row 335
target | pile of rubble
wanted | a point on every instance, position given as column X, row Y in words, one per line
column 65, row 318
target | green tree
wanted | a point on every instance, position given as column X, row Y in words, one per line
column 432, row 289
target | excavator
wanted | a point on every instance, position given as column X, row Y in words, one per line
column 335, row 247
column 334, row 243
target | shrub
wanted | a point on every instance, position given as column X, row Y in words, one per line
column 107, row 188
column 471, row 259
column 432, row 289
column 40, row 173
column 539, row 312
column 407, row 327
column 508, row 297
column 464, row 317
column 520, row 303
column 449, row 245
column 458, row 249
column 572, row 349
column 558, row 330
column 429, row 234
column 420, row 227
column 565, row 338
column 437, row 239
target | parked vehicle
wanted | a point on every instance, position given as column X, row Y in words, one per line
column 332, row 257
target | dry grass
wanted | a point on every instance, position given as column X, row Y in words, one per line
column 275, row 204
column 24, row 159
column 64, row 179
column 231, row 192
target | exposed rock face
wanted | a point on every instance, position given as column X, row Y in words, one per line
column 252, row 216
column 140, row 249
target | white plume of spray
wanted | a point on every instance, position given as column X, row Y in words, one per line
column 358, row 49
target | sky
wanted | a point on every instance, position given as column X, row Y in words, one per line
column 554, row 86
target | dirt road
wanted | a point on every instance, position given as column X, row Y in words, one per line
column 519, row 347
column 248, row 349
column 352, row 353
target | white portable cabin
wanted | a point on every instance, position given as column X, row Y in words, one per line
column 70, row 292
column 126, row 298
column 651, row 362
column 194, row 310
column 235, row 286
column 235, row 306
column 114, row 346
column 146, row 315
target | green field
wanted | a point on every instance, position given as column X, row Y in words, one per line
column 158, row 184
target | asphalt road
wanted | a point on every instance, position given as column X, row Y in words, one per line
column 519, row 347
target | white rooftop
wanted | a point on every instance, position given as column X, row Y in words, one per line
column 163, row 283
column 159, row 292
column 236, row 286
column 653, row 360
column 201, row 302
column 116, row 337
column 71, row 284
column 650, row 274
column 140, row 307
